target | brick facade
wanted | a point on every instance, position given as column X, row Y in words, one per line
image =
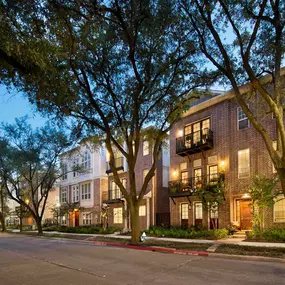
column 227, row 141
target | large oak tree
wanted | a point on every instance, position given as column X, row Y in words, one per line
column 117, row 67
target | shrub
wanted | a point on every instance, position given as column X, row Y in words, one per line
column 271, row 235
column 192, row 233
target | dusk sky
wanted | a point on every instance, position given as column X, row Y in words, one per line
column 14, row 105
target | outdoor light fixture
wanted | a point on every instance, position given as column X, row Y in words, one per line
column 27, row 201
column 223, row 163
column 57, row 205
column 174, row 173
column 75, row 210
column 180, row 133
column 245, row 195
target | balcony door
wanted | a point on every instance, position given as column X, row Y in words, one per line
column 198, row 178
column 184, row 215
column 198, row 214
column 193, row 132
column 184, row 179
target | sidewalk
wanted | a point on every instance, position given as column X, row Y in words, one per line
column 223, row 241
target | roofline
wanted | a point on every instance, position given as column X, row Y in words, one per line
column 227, row 95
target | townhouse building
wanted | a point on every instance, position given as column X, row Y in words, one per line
column 154, row 209
column 81, row 186
column 213, row 142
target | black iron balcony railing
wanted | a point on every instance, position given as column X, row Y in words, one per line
column 119, row 164
column 114, row 194
column 189, row 186
column 194, row 142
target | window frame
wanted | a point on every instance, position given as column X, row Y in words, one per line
column 142, row 210
column 85, row 191
column 63, row 191
column 118, row 219
column 86, row 160
column 239, row 174
column 240, row 120
column 87, row 219
column 145, row 148
column 184, row 211
column 75, row 193
column 283, row 210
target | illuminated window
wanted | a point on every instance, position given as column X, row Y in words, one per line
column 243, row 163
column 87, row 219
column 279, row 210
column 118, row 215
column 142, row 211
column 184, row 211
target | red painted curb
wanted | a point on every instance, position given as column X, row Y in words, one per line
column 149, row 248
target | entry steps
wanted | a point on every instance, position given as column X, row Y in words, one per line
column 239, row 234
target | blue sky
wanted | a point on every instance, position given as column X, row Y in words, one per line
column 14, row 105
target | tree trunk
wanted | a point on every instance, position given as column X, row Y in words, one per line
column 21, row 218
column 135, row 224
column 2, row 220
column 39, row 226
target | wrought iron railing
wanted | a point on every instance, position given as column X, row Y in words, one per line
column 191, row 185
column 195, row 140
column 119, row 164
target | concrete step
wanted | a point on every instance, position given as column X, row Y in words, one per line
column 239, row 236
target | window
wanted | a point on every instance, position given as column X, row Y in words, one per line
column 279, row 210
column 115, row 191
column 184, row 178
column 214, row 210
column 183, row 165
column 118, row 215
column 145, row 172
column 193, row 132
column 198, row 211
column 63, row 220
column 275, row 148
column 63, row 195
column 85, row 191
column 198, row 177
column 213, row 173
column 75, row 167
column 75, row 193
column 142, row 211
column 243, row 163
column 184, row 211
column 87, row 219
column 145, row 147
column 243, row 122
column 64, row 171
column 86, row 160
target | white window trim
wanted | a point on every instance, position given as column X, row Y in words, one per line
column 86, row 160
column 85, row 193
column 63, row 190
column 240, row 108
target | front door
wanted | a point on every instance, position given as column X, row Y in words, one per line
column 76, row 218
column 245, row 215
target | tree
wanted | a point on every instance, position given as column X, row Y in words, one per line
column 117, row 67
column 4, row 209
column 264, row 195
column 29, row 164
column 244, row 40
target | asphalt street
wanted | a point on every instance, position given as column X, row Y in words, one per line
column 30, row 261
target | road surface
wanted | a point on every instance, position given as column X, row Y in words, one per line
column 30, row 261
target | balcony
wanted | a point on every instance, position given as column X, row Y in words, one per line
column 119, row 164
column 189, row 186
column 114, row 196
column 194, row 142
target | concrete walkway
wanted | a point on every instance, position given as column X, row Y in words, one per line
column 223, row 241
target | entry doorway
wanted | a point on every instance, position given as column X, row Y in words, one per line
column 184, row 215
column 76, row 218
column 245, row 214
column 198, row 214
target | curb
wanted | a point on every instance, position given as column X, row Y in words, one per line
column 150, row 248
column 246, row 257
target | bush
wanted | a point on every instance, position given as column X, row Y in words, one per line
column 271, row 235
column 192, row 233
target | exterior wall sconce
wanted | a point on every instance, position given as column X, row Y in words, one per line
column 27, row 201
column 75, row 210
column 246, row 195
column 180, row 133
column 174, row 173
